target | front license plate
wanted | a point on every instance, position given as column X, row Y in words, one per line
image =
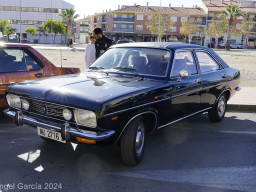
column 50, row 134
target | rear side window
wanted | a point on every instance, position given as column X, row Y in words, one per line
column 183, row 60
column 206, row 62
column 16, row 60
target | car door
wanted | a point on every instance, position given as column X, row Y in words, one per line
column 185, row 98
column 15, row 66
column 213, row 77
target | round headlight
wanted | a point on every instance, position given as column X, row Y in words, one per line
column 85, row 118
column 25, row 104
column 67, row 114
column 13, row 101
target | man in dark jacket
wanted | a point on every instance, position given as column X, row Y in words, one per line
column 102, row 43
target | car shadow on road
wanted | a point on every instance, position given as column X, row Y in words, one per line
column 193, row 143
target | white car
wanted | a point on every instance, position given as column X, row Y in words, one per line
column 240, row 46
column 233, row 46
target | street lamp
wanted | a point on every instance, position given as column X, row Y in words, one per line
column 159, row 39
column 20, row 21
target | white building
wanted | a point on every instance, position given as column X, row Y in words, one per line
column 30, row 13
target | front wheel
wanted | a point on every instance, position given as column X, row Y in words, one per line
column 132, row 142
column 218, row 111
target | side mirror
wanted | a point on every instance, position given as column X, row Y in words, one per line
column 183, row 74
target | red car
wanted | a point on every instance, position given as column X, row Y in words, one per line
column 20, row 62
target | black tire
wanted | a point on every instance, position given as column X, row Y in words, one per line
column 217, row 113
column 132, row 142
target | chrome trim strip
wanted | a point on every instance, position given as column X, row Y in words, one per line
column 204, row 88
column 6, row 84
column 186, row 93
column 124, row 110
column 72, row 132
column 134, row 118
column 172, row 122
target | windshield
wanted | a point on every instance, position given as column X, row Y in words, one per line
column 153, row 62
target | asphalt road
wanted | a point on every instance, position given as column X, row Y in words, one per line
column 193, row 155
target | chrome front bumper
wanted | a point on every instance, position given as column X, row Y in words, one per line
column 64, row 129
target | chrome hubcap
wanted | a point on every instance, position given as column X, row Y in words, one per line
column 139, row 139
column 221, row 106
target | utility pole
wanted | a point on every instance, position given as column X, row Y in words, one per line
column 20, row 22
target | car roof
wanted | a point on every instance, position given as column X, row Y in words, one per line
column 171, row 46
column 2, row 44
column 164, row 45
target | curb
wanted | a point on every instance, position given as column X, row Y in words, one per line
column 248, row 108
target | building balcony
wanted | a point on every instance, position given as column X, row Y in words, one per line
column 124, row 19
column 104, row 20
column 84, row 32
column 123, row 30
column 84, row 25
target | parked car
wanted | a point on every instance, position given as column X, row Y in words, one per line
column 222, row 45
column 124, row 41
column 21, row 62
column 240, row 46
column 233, row 46
column 131, row 90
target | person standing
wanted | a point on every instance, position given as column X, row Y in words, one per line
column 102, row 43
column 90, row 52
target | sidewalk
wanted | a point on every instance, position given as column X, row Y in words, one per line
column 244, row 100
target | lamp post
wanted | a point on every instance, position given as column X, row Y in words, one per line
column 159, row 39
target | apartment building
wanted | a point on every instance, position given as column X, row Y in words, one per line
column 129, row 22
column 213, row 8
column 30, row 13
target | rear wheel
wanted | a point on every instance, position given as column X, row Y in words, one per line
column 218, row 111
column 132, row 142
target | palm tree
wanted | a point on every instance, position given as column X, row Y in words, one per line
column 231, row 12
column 69, row 15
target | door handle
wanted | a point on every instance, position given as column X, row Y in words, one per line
column 38, row 75
column 223, row 75
column 198, row 80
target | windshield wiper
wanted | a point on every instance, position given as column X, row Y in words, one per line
column 130, row 69
column 96, row 68
column 125, row 69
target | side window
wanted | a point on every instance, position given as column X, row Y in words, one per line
column 32, row 65
column 206, row 62
column 12, row 60
column 183, row 60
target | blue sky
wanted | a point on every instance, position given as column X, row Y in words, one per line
column 85, row 7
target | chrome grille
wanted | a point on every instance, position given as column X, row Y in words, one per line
column 47, row 109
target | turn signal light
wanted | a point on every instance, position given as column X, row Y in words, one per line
column 87, row 141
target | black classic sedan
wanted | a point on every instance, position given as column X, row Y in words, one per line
column 131, row 90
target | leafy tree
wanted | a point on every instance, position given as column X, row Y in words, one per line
column 246, row 27
column 41, row 30
column 189, row 29
column 69, row 15
column 56, row 27
column 5, row 27
column 31, row 31
column 216, row 28
column 231, row 12
column 158, row 24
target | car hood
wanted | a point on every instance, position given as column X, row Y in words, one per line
column 82, row 90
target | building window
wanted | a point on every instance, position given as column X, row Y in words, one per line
column 183, row 19
column 139, row 27
column 173, row 29
column 149, row 17
column 139, row 17
column 174, row 19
